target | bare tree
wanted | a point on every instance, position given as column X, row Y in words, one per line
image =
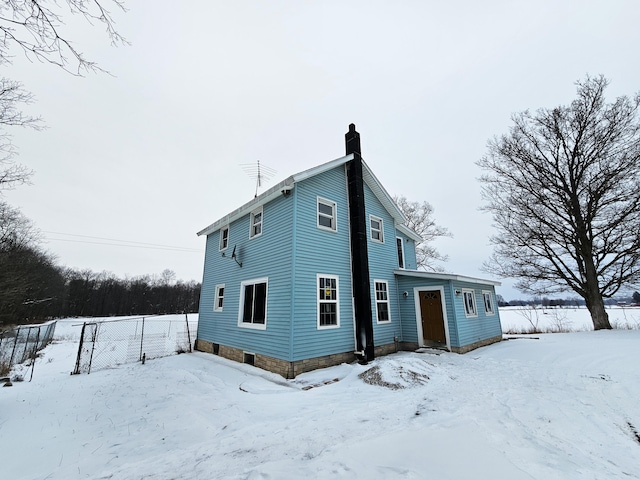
column 12, row 95
column 420, row 220
column 27, row 274
column 563, row 187
column 36, row 27
column 16, row 230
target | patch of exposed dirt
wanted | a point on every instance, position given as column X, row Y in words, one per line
column 396, row 378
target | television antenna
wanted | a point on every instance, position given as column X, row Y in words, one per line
column 259, row 173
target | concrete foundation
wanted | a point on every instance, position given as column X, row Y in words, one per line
column 292, row 369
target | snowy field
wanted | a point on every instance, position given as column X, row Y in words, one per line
column 544, row 406
column 572, row 319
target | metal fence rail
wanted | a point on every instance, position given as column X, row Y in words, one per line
column 23, row 343
column 107, row 344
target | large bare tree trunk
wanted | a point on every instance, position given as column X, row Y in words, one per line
column 593, row 294
column 595, row 304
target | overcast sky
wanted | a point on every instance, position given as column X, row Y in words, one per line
column 153, row 153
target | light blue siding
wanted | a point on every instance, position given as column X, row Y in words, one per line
column 383, row 259
column 474, row 329
column 409, row 245
column 321, row 252
column 410, row 316
column 267, row 255
column 462, row 330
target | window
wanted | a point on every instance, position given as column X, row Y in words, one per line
column 326, row 214
column 488, row 302
column 224, row 238
column 375, row 225
column 469, row 297
column 256, row 223
column 328, row 304
column 382, row 300
column 219, row 299
column 400, row 247
column 253, row 304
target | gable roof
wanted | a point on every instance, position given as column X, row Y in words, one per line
column 287, row 184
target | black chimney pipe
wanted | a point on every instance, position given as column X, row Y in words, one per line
column 359, row 249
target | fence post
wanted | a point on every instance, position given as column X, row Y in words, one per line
column 14, row 347
column 141, row 339
column 34, row 353
column 186, row 318
column 76, row 371
column 94, row 337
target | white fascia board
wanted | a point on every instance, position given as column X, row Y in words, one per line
column 374, row 184
column 248, row 207
column 445, row 276
column 273, row 193
column 409, row 233
column 312, row 172
column 382, row 195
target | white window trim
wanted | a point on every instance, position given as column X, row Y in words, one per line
column 253, row 326
column 217, row 296
column 251, row 222
column 337, row 302
column 475, row 303
column 377, row 219
column 334, row 205
column 404, row 260
column 221, row 248
column 484, row 301
column 387, row 301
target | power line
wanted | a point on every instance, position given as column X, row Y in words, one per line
column 121, row 243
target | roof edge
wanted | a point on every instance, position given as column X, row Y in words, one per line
column 258, row 201
column 409, row 233
column 446, row 276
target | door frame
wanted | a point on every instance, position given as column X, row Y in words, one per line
column 443, row 301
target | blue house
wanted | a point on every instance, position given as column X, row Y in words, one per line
column 321, row 269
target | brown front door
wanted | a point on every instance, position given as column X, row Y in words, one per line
column 432, row 319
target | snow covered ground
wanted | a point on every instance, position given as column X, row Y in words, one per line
column 546, row 406
column 522, row 319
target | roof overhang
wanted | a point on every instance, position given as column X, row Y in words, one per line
column 273, row 192
column 286, row 185
column 445, row 276
column 409, row 233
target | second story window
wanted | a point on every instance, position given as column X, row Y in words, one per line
column 326, row 214
column 224, row 238
column 400, row 247
column 375, row 226
column 256, row 223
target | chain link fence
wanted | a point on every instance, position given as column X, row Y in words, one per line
column 107, row 344
column 23, row 343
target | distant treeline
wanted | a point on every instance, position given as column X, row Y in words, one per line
column 565, row 302
column 33, row 289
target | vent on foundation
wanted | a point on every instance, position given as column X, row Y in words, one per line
column 249, row 358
